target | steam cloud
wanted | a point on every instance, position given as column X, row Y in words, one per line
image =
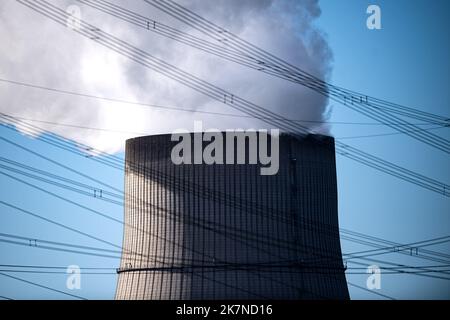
column 37, row 50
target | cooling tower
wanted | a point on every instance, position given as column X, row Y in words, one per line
column 224, row 231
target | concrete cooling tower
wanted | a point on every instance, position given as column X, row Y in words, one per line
column 225, row 231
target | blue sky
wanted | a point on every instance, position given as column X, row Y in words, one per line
column 405, row 62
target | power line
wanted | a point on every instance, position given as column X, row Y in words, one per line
column 275, row 264
column 61, row 225
column 256, row 268
column 27, row 266
column 434, row 256
column 146, row 133
column 59, row 164
column 41, row 286
column 371, row 291
column 34, row 242
column 96, row 191
column 401, row 265
column 91, row 96
column 387, row 134
column 72, row 251
column 390, row 243
column 316, row 272
column 92, row 192
column 96, row 212
column 57, row 272
column 413, row 246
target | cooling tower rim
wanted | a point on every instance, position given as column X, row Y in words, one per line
column 309, row 136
